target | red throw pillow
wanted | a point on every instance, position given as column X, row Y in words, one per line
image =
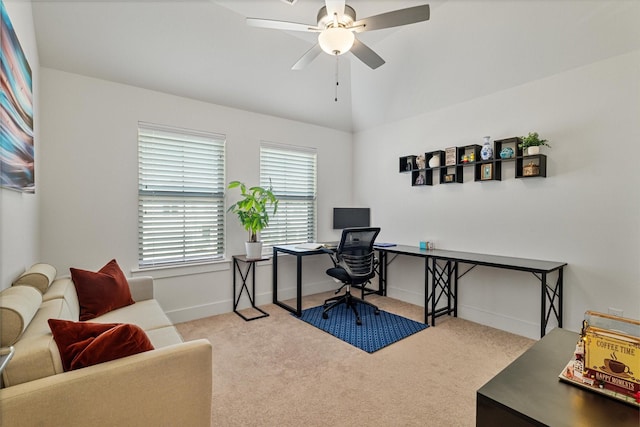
column 83, row 344
column 101, row 292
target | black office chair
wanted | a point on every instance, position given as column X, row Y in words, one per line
column 354, row 264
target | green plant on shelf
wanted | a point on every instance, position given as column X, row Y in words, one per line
column 532, row 140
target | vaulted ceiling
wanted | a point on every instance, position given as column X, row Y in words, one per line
column 204, row 50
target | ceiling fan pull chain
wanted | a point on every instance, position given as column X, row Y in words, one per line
column 337, row 83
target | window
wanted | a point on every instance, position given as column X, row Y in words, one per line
column 292, row 173
column 181, row 187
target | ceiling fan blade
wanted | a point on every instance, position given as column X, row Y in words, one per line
column 396, row 18
column 365, row 54
column 306, row 59
column 280, row 25
column 335, row 6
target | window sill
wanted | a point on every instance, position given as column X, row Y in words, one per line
column 166, row 271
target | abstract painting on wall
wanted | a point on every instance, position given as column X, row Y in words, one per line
column 16, row 113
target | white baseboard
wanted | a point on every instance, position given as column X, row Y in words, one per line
column 476, row 314
column 406, row 296
column 500, row 321
column 199, row 311
column 220, row 307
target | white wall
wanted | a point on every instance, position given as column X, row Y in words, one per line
column 89, row 183
column 19, row 211
column 586, row 212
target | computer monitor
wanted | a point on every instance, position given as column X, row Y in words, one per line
column 350, row 217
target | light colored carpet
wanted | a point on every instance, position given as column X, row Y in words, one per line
column 281, row 371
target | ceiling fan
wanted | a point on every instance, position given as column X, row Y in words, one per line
column 336, row 25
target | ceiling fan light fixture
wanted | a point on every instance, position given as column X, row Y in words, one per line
column 336, row 41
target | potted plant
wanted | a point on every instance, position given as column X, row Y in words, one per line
column 253, row 211
column 531, row 143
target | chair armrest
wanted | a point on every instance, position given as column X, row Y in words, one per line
column 141, row 287
column 332, row 255
column 169, row 386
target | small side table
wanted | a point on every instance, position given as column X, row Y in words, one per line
column 250, row 268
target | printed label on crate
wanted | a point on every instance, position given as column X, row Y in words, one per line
column 613, row 359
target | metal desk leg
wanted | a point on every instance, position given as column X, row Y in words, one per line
column 431, row 295
column 444, row 283
column 560, row 289
column 297, row 310
column 275, row 275
column 554, row 296
column 382, row 274
column 453, row 276
column 543, row 305
column 299, row 286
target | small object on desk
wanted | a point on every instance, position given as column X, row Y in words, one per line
column 310, row 245
column 427, row 245
column 384, row 245
column 330, row 245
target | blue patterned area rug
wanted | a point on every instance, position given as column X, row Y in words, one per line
column 375, row 332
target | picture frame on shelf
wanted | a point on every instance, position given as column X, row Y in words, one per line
column 486, row 172
column 420, row 179
column 450, row 156
column 449, row 177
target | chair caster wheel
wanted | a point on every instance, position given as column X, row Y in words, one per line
column 325, row 316
column 358, row 322
column 376, row 312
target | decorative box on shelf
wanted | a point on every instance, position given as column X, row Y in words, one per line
column 607, row 357
column 531, row 169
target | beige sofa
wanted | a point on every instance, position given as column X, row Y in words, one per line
column 168, row 386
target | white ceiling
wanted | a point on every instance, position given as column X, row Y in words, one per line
column 204, row 50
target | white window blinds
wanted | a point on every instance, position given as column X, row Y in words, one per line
column 181, row 187
column 292, row 173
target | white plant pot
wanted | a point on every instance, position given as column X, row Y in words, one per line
column 253, row 249
column 533, row 150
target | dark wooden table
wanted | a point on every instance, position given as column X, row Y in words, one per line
column 528, row 392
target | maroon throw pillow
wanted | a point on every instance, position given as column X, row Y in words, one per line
column 101, row 292
column 83, row 344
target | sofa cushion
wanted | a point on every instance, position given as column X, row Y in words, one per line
column 101, row 292
column 38, row 276
column 36, row 353
column 164, row 337
column 146, row 314
column 83, row 344
column 18, row 305
column 64, row 289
